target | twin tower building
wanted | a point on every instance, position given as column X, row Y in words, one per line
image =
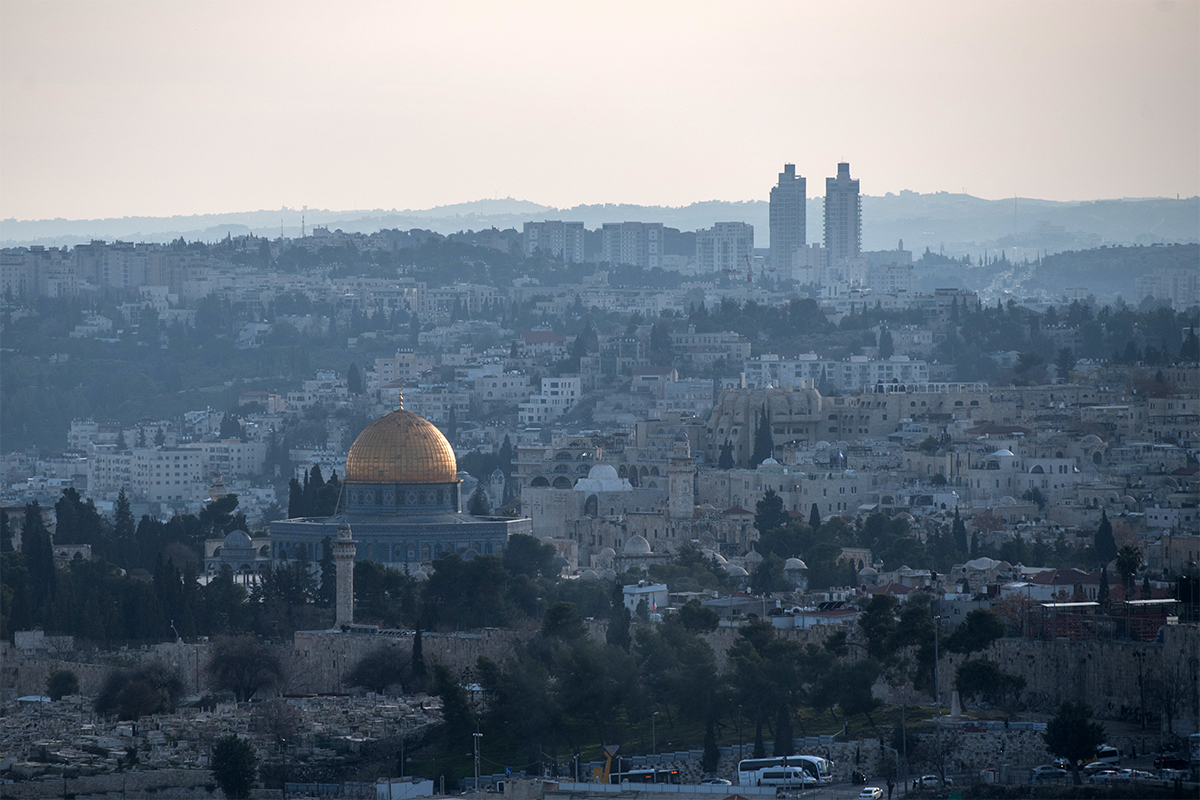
column 843, row 217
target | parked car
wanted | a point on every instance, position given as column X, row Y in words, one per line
column 1170, row 761
column 932, row 782
column 1047, row 772
column 1062, row 763
column 716, row 782
column 1106, row 776
column 975, row 727
column 870, row 793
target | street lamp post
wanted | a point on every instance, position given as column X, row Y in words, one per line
column 653, row 733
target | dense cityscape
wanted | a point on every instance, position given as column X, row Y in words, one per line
column 738, row 492
column 600, row 402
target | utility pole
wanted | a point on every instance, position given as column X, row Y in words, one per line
column 477, row 735
column 937, row 699
column 653, row 734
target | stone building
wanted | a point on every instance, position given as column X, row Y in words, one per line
column 401, row 497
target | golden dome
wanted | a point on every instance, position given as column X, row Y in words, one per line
column 401, row 447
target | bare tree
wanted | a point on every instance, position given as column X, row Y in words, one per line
column 243, row 665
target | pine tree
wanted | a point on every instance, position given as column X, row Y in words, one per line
column 160, row 438
column 479, row 503
column 6, row 545
column 141, row 438
column 121, row 440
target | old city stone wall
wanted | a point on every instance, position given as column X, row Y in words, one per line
column 184, row 784
column 321, row 659
column 1115, row 677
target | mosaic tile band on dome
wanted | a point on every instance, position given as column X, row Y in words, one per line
column 401, row 447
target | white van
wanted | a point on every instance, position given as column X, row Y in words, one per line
column 785, row 776
column 1108, row 755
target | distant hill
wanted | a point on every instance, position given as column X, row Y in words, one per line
column 951, row 223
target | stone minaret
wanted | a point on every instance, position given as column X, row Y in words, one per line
column 343, row 554
column 681, row 497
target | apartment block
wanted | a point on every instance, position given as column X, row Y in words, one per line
column 557, row 397
column 726, row 246
column 561, row 240
column 636, row 243
column 169, row 475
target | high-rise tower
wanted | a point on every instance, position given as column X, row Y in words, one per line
column 843, row 216
column 787, row 218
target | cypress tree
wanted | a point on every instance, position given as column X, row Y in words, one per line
column 814, row 517
column 725, row 461
column 763, row 443
column 39, row 555
column 959, row 533
column 418, row 655
column 295, row 499
column 327, row 592
column 1106, row 545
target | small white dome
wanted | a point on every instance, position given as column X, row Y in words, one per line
column 607, row 552
column 1003, row 452
column 735, row 571
column 589, row 575
column 794, row 564
column 752, row 557
column 608, row 574
column 602, row 472
column 867, row 572
column 1008, row 500
column 237, row 540
column 637, row 546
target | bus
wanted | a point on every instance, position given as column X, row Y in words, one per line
column 646, row 776
column 749, row 769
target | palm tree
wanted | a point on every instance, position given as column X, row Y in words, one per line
column 1129, row 562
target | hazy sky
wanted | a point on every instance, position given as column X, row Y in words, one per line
column 159, row 108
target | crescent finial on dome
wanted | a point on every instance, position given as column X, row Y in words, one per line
column 400, row 398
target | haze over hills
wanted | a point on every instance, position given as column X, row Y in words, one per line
column 950, row 222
